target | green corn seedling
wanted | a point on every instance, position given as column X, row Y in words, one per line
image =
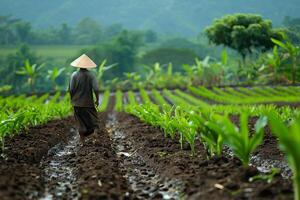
column 289, row 139
column 239, row 139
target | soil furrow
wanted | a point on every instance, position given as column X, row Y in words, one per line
column 145, row 183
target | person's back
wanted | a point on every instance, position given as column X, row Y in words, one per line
column 82, row 85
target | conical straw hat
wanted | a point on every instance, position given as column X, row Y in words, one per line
column 83, row 62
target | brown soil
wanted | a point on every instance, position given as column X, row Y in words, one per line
column 199, row 174
column 97, row 169
column 20, row 174
column 101, row 174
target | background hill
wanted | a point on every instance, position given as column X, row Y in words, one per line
column 181, row 17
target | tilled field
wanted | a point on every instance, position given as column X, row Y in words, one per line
column 129, row 159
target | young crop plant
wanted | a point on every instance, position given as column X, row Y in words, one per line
column 211, row 135
column 160, row 99
column 105, row 101
column 190, row 98
column 34, row 112
column 187, row 128
column 119, row 101
column 145, row 96
column 131, row 98
column 240, row 140
column 289, row 140
column 167, row 121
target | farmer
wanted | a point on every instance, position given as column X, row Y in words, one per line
column 82, row 85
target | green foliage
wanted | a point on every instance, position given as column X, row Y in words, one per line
column 32, row 72
column 100, row 72
column 19, row 113
column 119, row 101
column 289, row 139
column 131, row 98
column 239, row 139
column 166, row 55
column 293, row 28
column 242, row 32
column 122, row 50
column 145, row 97
column 104, row 101
column 292, row 50
column 53, row 76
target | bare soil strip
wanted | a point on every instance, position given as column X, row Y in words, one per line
column 60, row 169
column 145, row 183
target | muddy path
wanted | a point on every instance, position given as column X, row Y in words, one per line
column 143, row 179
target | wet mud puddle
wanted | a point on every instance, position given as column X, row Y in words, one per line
column 60, row 169
column 265, row 165
column 143, row 180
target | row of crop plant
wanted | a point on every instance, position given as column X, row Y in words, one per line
column 254, row 95
column 18, row 113
column 215, row 129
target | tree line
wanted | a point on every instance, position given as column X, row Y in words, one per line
column 87, row 31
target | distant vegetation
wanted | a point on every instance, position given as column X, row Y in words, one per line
column 34, row 59
column 244, row 33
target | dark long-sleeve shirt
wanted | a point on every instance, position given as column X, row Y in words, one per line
column 82, row 85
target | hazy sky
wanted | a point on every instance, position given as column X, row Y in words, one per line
column 186, row 17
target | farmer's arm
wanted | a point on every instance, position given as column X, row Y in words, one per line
column 96, row 90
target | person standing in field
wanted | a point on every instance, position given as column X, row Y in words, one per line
column 81, row 88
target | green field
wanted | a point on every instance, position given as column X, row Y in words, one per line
column 59, row 53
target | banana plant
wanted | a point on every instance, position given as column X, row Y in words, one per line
column 292, row 50
column 274, row 62
column 102, row 68
column 289, row 140
column 53, row 75
column 31, row 72
column 239, row 139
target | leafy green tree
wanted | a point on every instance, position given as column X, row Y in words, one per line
column 243, row 33
column 113, row 31
column 88, row 31
column 150, row 36
column 22, row 31
column 32, row 72
column 65, row 34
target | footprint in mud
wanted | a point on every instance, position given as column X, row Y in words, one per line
column 143, row 180
column 59, row 170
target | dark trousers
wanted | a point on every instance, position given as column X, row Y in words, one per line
column 87, row 119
